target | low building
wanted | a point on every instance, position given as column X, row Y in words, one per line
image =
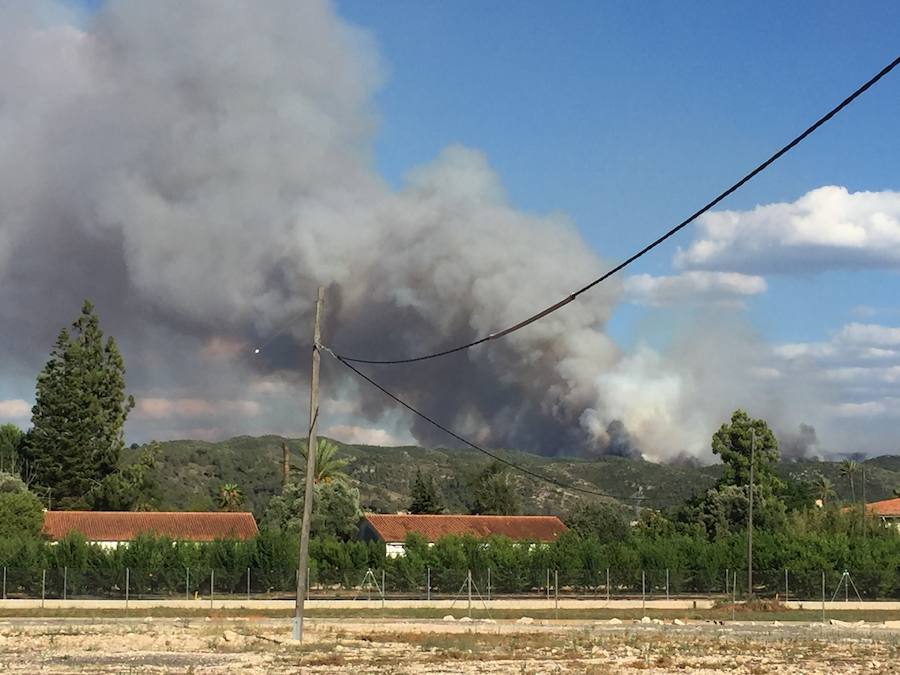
column 888, row 510
column 393, row 529
column 111, row 528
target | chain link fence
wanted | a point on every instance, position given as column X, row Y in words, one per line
column 425, row 583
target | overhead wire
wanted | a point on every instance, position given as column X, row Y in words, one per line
column 513, row 465
column 348, row 361
column 649, row 247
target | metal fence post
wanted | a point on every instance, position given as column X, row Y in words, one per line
column 127, row 585
column 469, row 584
column 548, row 583
column 489, row 585
column 823, row 596
column 726, row 582
column 667, row 584
column 556, row 592
column 607, row 585
column 248, row 584
column 786, row 588
column 187, row 583
column 382, row 588
column 733, row 593
column 428, row 586
column 4, row 582
column 44, row 587
column 212, row 587
column 65, row 582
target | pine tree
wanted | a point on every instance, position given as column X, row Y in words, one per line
column 425, row 498
column 493, row 492
column 79, row 413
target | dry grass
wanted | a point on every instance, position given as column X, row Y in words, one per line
column 224, row 646
column 756, row 611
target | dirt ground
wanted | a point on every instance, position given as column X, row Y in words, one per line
column 427, row 646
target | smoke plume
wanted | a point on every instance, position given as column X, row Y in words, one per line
column 801, row 444
column 197, row 169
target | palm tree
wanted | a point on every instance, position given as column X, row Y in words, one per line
column 230, row 497
column 824, row 488
column 328, row 467
column 850, row 468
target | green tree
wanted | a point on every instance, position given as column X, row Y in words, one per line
column 329, row 467
column 425, row 497
column 604, row 520
column 798, row 495
column 494, row 492
column 723, row 509
column 849, row 469
column 21, row 515
column 732, row 442
column 80, row 408
column 131, row 488
column 336, row 510
column 230, row 497
column 10, row 440
column 11, row 483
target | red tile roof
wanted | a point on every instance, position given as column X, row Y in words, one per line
column 394, row 528
column 888, row 507
column 126, row 525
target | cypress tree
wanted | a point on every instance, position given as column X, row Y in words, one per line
column 79, row 413
column 425, row 498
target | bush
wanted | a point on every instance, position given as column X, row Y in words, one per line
column 21, row 515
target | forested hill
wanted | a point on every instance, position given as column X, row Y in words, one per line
column 189, row 474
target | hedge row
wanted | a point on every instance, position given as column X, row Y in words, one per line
column 158, row 566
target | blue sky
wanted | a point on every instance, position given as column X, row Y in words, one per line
column 629, row 116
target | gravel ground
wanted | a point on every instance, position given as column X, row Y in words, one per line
column 385, row 646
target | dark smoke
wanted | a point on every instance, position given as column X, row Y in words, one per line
column 620, row 442
column 802, row 444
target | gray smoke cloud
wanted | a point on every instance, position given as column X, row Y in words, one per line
column 801, row 444
column 197, row 169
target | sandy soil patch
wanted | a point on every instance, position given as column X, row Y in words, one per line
column 263, row 646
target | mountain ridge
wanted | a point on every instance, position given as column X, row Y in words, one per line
column 189, row 473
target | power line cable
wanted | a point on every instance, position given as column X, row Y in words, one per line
column 474, row 446
column 565, row 301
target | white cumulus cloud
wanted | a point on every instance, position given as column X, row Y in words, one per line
column 827, row 228
column 868, row 334
column 696, row 286
column 15, row 409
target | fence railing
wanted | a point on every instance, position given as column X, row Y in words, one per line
column 426, row 583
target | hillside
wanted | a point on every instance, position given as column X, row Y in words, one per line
column 190, row 472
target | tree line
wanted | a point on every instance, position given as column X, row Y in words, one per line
column 831, row 541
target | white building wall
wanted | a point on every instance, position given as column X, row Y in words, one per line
column 394, row 549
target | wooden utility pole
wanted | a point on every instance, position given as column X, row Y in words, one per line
column 750, row 519
column 303, row 563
